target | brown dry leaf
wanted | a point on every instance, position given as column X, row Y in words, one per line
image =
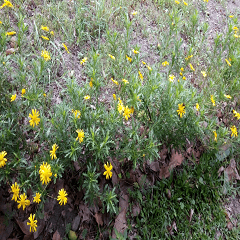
column 40, row 227
column 120, row 223
column 154, row 166
column 115, row 180
column 123, row 201
column 191, row 214
column 229, row 226
column 231, row 171
column 56, row 236
column 13, row 42
column 163, row 153
column 176, row 159
column 24, row 227
column 221, row 169
column 84, row 212
column 136, row 210
column 11, row 51
column 5, row 230
column 98, row 217
column 164, row 172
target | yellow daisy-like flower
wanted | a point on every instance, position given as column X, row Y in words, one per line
column 114, row 97
column 149, row 68
column 66, row 48
column 45, row 173
column 185, row 3
column 191, row 66
column 108, row 167
column 80, row 136
column 181, row 110
column 3, row 160
column 10, row 33
column 171, row 78
column 111, row 56
column 77, row 113
column 231, row 16
column 204, row 73
column 188, row 57
column 13, row 97
column 184, row 78
column 125, row 81
column 116, row 82
column 83, row 60
column 234, row 131
column 215, row 136
column 53, row 151
column 34, row 118
column 165, row 63
column 45, row 28
column 135, row 51
column 120, row 107
column 45, row 38
column 45, row 54
column 52, row 33
column 37, row 199
column 227, row 96
column 205, row 0
column 213, row 101
column 87, row 97
column 229, row 64
column 197, row 106
column 32, row 223
column 15, row 190
column 236, row 114
column 6, row 4
column 177, row 2
column 127, row 112
column 91, row 83
column 23, row 91
column 23, row 202
column 134, row 13
column 128, row 58
column 62, row 197
column 140, row 75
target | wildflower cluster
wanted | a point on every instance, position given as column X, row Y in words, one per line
column 125, row 110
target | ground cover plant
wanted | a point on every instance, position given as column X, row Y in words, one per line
column 109, row 102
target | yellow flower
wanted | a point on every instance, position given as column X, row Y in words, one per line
column 32, row 223
column 227, row 96
column 53, row 151
column 215, row 136
column 23, row 201
column 236, row 114
column 44, row 95
column 204, row 73
column 149, row 68
column 111, row 56
column 77, row 113
column 80, row 135
column 86, row 97
column 135, row 51
column 62, row 197
column 128, row 58
column 83, row 60
column 23, row 91
column 197, row 106
column 231, row 16
column 45, row 54
column 234, row 131
column 114, row 97
column 177, row 2
column 191, row 66
column 45, row 173
column 15, row 190
column 45, row 38
column 37, row 198
column 165, row 63
column 235, row 29
column 131, row 110
column 188, row 57
column 120, row 107
column 125, row 81
column 0, row 22
column 181, row 110
column 213, row 101
column 10, row 33
column 184, row 78
column 6, row 4
column 134, row 13
column 13, row 97
column 205, row 0
column 45, row 28
column 143, row 63
column 185, row 3
column 140, row 75
column 52, row 33
column 171, row 78
column 108, row 167
column 229, row 64
column 65, row 47
column 91, row 83
column 127, row 112
column 181, row 73
column 34, row 118
column 3, row 159
column 116, row 82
